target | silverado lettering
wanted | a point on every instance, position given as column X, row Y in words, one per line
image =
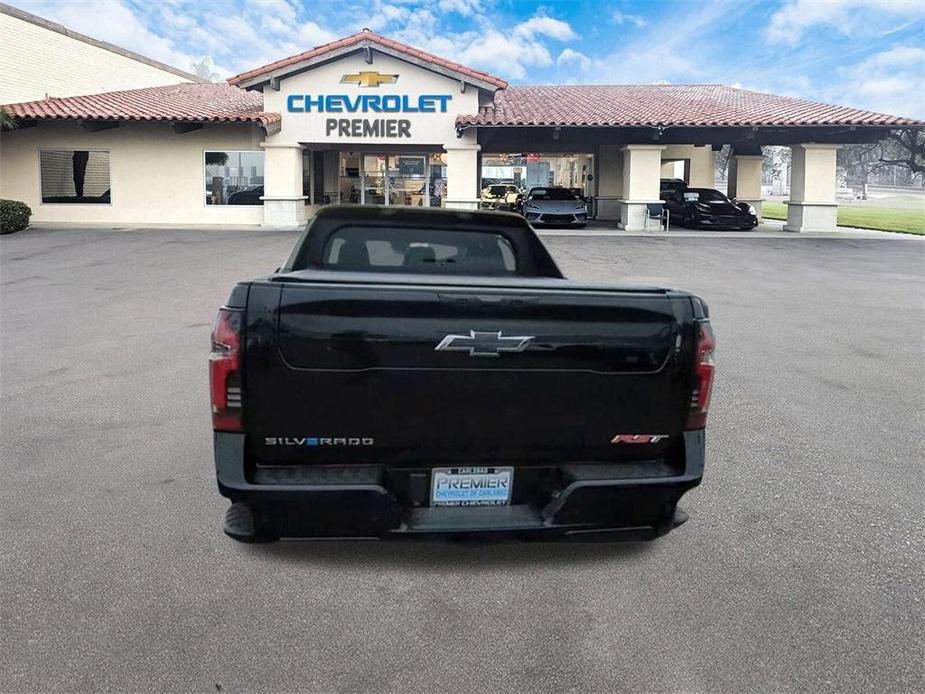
column 317, row 441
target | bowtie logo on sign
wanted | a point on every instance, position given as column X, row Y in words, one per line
column 369, row 78
column 367, row 103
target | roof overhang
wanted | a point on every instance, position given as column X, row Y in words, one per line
column 521, row 138
column 270, row 122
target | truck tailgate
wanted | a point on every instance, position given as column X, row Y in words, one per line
column 363, row 373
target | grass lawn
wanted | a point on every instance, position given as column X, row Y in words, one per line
column 907, row 221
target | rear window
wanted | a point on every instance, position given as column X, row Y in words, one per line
column 437, row 251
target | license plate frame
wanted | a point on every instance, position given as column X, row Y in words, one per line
column 475, row 486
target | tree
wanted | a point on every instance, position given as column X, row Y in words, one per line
column 721, row 162
column 216, row 158
column 775, row 163
column 202, row 68
column 7, row 122
column 905, row 148
column 901, row 149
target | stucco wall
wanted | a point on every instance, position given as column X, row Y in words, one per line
column 156, row 175
column 701, row 160
column 38, row 61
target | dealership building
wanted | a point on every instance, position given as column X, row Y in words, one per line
column 367, row 119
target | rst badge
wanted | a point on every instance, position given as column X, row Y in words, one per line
column 638, row 438
column 484, row 344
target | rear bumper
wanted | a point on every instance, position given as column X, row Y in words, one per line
column 610, row 501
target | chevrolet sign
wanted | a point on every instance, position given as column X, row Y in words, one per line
column 368, row 103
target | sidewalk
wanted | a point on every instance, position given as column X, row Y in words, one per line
column 768, row 229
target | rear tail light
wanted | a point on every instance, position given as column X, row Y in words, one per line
column 703, row 383
column 225, row 371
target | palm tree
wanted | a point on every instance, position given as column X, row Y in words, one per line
column 6, row 120
column 202, row 68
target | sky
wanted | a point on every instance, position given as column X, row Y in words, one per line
column 864, row 53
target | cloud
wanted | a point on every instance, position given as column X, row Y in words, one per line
column 568, row 58
column 238, row 35
column 507, row 50
column 466, row 8
column 619, row 17
column 680, row 53
column 891, row 81
column 790, row 23
column 545, row 26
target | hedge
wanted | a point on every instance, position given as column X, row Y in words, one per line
column 14, row 216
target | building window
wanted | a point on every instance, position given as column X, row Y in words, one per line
column 234, row 178
column 75, row 176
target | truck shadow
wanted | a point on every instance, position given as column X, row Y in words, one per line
column 475, row 555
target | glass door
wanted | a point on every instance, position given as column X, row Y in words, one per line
column 418, row 180
column 375, row 180
column 408, row 182
column 436, row 178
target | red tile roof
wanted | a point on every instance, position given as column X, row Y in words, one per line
column 604, row 106
column 204, row 102
column 704, row 105
column 372, row 37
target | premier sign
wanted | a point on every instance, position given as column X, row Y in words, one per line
column 363, row 127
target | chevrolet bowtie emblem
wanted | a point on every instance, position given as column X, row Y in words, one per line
column 369, row 78
column 483, row 344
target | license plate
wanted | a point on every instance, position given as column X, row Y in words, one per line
column 471, row 486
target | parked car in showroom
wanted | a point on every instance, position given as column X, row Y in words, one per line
column 710, row 209
column 248, row 196
column 500, row 197
column 554, row 206
column 668, row 186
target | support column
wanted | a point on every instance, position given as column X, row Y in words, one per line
column 462, row 173
column 812, row 205
column 609, row 182
column 703, row 167
column 283, row 201
column 745, row 179
column 642, row 166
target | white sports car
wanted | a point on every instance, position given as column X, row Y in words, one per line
column 554, row 206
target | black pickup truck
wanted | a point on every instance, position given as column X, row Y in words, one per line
column 415, row 372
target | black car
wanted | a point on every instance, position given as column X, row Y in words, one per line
column 669, row 186
column 248, row 196
column 708, row 208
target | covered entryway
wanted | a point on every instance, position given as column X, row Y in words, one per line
column 639, row 134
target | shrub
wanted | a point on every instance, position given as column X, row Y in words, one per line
column 14, row 216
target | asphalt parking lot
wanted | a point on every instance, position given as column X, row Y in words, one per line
column 801, row 567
